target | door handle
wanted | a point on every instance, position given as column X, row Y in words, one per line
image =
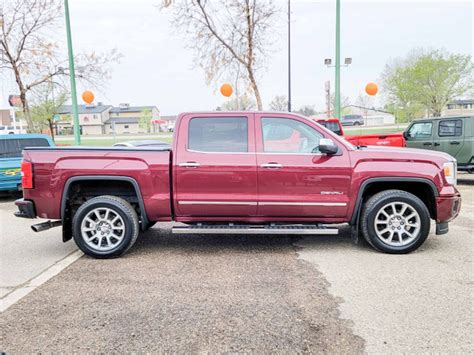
column 436, row 144
column 272, row 166
column 189, row 164
column 455, row 143
column 427, row 143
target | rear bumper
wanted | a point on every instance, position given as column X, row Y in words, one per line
column 10, row 185
column 26, row 208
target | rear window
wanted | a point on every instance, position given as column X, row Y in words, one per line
column 450, row 128
column 226, row 134
column 332, row 126
column 11, row 148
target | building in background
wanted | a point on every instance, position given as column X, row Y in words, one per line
column 91, row 119
column 460, row 108
column 97, row 119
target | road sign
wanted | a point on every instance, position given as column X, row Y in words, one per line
column 56, row 118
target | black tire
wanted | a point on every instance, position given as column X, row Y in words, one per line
column 376, row 203
column 120, row 207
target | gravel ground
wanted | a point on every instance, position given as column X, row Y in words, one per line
column 184, row 294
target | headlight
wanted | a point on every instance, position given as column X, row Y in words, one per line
column 450, row 172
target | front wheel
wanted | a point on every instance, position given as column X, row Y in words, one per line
column 105, row 227
column 395, row 222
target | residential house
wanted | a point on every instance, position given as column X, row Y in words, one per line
column 460, row 108
column 91, row 119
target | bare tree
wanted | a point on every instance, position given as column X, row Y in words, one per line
column 279, row 103
column 28, row 52
column 232, row 31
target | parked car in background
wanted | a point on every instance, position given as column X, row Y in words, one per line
column 11, row 130
column 11, row 147
column 384, row 139
column 241, row 173
column 452, row 135
column 352, row 120
column 143, row 144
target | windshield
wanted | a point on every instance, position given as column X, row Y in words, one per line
column 12, row 148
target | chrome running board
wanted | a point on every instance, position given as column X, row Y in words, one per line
column 300, row 229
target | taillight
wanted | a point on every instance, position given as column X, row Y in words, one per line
column 26, row 175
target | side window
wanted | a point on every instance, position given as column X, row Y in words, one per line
column 218, row 134
column 284, row 135
column 420, row 130
column 450, row 128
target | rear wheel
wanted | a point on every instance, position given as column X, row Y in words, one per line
column 105, row 227
column 395, row 221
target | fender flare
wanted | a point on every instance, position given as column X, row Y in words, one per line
column 369, row 181
column 71, row 180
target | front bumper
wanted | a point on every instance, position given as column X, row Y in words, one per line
column 26, row 208
column 447, row 208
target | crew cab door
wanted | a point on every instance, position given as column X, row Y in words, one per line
column 214, row 167
column 420, row 135
column 294, row 181
column 450, row 136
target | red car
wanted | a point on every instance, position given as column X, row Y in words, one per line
column 245, row 173
column 394, row 140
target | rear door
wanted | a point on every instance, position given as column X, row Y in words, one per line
column 215, row 166
column 420, row 135
column 450, row 136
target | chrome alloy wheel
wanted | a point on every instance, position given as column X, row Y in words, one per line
column 102, row 229
column 397, row 224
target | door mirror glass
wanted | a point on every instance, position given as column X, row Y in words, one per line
column 326, row 146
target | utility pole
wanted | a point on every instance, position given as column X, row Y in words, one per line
column 72, row 77
column 337, row 108
column 289, row 56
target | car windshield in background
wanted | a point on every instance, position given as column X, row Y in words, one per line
column 12, row 148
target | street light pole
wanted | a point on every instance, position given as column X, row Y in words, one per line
column 289, row 56
column 337, row 108
column 72, row 77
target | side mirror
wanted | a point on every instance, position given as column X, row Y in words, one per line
column 405, row 134
column 327, row 146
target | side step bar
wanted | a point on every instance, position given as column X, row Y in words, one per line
column 254, row 229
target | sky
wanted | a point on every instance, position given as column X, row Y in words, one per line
column 157, row 68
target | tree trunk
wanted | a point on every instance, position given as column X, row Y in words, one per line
column 26, row 110
column 51, row 128
column 253, row 84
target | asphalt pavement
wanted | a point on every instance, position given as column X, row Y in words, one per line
column 244, row 294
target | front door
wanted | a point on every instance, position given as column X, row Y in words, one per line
column 215, row 168
column 294, row 179
column 420, row 135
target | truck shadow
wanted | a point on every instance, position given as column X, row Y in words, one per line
column 162, row 239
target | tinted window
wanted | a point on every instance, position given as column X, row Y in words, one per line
column 11, row 148
column 332, row 126
column 450, row 128
column 226, row 134
column 420, row 130
column 284, row 135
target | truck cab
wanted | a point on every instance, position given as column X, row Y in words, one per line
column 452, row 135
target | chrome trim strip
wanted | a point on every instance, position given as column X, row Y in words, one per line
column 333, row 204
column 184, row 230
column 244, row 203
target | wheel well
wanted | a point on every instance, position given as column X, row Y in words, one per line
column 420, row 189
column 79, row 191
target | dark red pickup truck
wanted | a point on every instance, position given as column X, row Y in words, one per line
column 241, row 172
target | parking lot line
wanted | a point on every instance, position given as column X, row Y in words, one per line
column 16, row 295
